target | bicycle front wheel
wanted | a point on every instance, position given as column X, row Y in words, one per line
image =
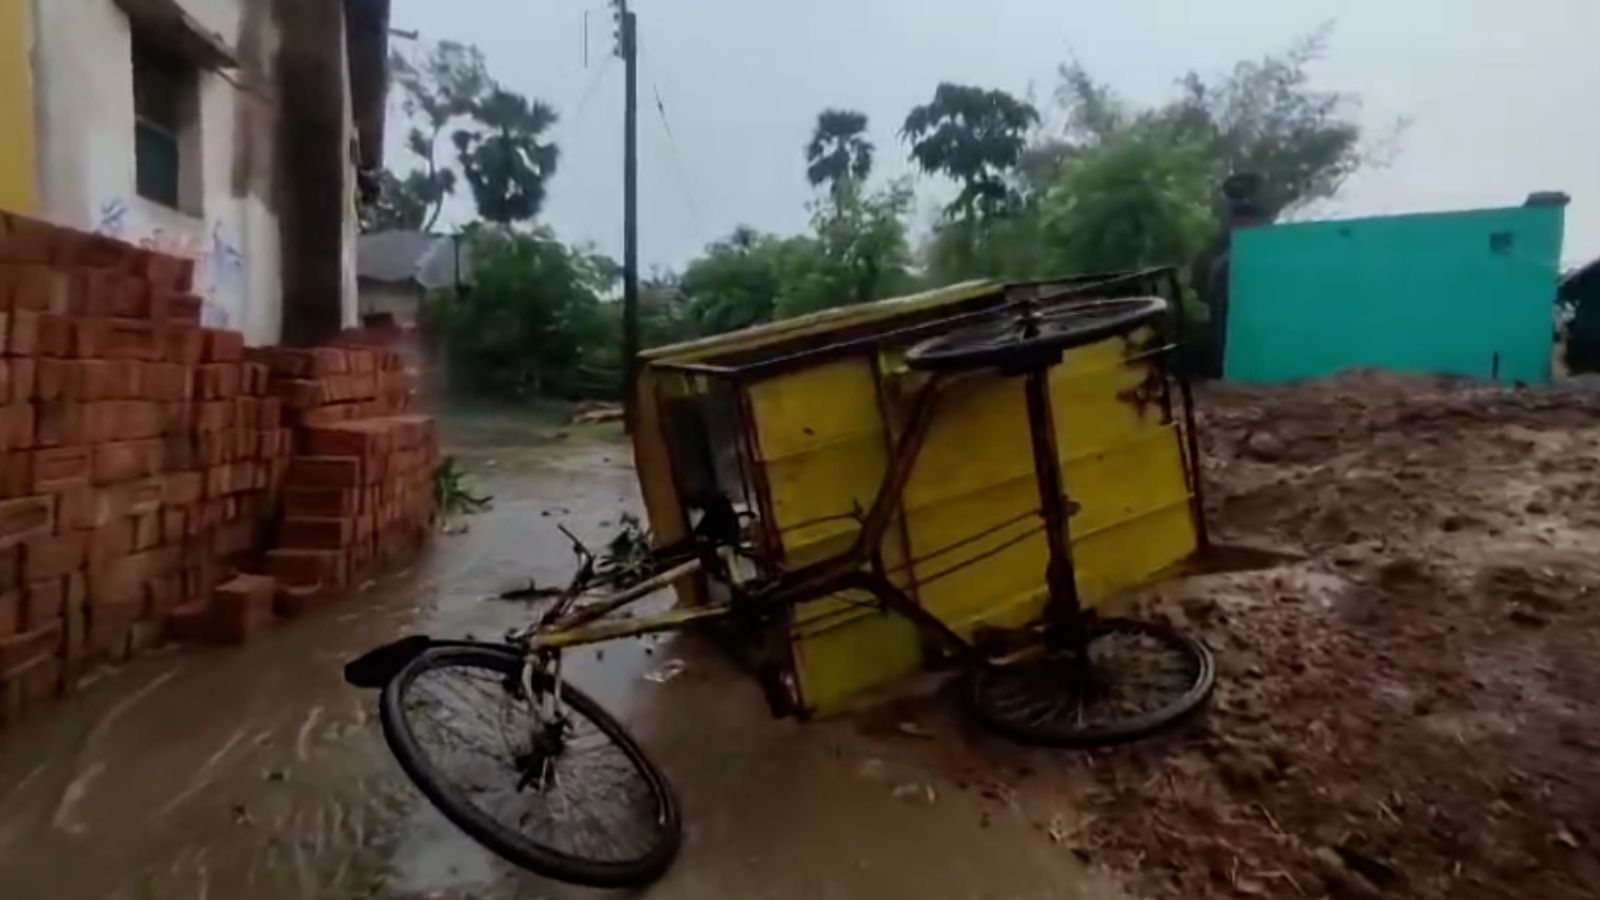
column 570, row 796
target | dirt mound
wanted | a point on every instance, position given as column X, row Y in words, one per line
column 1409, row 711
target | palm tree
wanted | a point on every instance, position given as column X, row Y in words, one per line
column 504, row 159
column 838, row 151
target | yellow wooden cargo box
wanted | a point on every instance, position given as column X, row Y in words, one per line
column 795, row 421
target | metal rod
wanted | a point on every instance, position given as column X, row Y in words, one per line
column 1063, row 610
column 630, row 218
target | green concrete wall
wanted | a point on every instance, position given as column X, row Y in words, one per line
column 1462, row 293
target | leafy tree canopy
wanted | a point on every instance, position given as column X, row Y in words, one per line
column 505, row 159
column 975, row 136
column 838, row 150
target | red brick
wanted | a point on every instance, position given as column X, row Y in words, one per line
column 94, row 292
column 125, row 500
column 25, row 519
column 183, row 488
column 147, row 531
column 90, row 337
column 242, row 607
column 51, row 378
column 169, row 273
column 28, row 687
column 26, row 240
column 23, row 339
column 215, row 381
column 172, row 524
column 363, row 438
column 306, row 568
column 43, row 602
column 323, row 502
column 55, row 556
column 17, row 430
column 110, row 543
column 58, row 423
column 21, row 378
column 299, row 394
column 75, row 507
column 26, row 646
column 10, row 613
column 55, row 335
column 58, row 467
column 110, row 624
column 269, row 412
column 213, row 415
column 222, row 345
column 172, row 306
column 328, row 361
column 190, row 621
column 163, row 594
column 33, row 288
column 308, row 533
column 178, row 418
column 132, row 299
column 325, row 471
column 136, row 420
column 128, row 338
column 185, row 345
column 126, row 460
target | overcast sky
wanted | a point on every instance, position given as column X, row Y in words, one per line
column 1504, row 98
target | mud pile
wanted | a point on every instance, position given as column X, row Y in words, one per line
column 1406, row 710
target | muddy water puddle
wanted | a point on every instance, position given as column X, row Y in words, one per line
column 257, row 773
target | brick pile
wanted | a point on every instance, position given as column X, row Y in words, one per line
column 138, row 454
column 155, row 475
column 358, row 495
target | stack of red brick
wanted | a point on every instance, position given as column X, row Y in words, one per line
column 359, row 491
column 138, row 453
column 146, row 463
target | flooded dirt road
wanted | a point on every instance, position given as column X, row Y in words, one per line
column 256, row 773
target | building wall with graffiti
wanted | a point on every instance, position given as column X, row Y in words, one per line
column 90, row 130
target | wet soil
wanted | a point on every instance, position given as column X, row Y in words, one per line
column 1406, row 710
column 257, row 774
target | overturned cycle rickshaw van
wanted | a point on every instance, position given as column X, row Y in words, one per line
column 796, row 424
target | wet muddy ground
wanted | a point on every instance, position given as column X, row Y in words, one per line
column 256, row 773
column 1405, row 704
column 1406, row 710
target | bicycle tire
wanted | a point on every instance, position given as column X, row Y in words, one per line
column 1034, row 337
column 511, row 845
column 1130, row 729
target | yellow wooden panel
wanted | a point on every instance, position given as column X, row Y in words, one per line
column 811, row 408
column 1121, row 464
column 18, row 165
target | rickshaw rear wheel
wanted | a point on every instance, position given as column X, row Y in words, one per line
column 571, row 796
column 1139, row 678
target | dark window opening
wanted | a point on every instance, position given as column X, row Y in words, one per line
column 166, row 99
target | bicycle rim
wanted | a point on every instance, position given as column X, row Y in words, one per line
column 573, row 798
column 1141, row 678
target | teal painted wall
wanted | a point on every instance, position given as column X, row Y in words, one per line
column 1434, row 293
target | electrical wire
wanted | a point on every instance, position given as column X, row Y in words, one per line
column 679, row 169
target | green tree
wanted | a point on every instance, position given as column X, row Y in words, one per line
column 1141, row 198
column 859, row 252
column 839, row 151
column 736, row 283
column 976, row 137
column 403, row 204
column 533, row 322
column 1264, row 118
column 444, row 84
column 504, row 158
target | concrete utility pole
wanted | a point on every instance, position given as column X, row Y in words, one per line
column 628, row 49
